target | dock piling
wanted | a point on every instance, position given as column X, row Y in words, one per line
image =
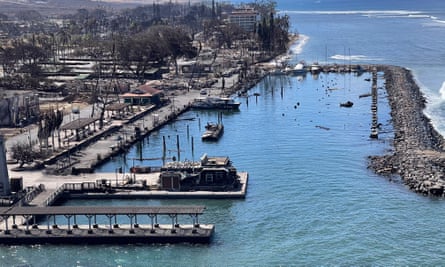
column 374, row 106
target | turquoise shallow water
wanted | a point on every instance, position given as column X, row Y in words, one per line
column 311, row 199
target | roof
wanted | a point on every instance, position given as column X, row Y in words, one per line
column 143, row 90
column 214, row 161
column 244, row 11
column 101, row 210
column 78, row 123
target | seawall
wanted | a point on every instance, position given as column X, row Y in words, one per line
column 418, row 149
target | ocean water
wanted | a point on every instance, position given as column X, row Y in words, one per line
column 311, row 199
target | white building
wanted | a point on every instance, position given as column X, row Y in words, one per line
column 246, row 18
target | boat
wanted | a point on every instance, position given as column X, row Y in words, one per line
column 346, row 104
column 315, row 68
column 298, row 69
column 213, row 102
column 213, row 131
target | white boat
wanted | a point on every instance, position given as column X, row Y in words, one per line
column 315, row 68
column 212, row 102
column 298, row 69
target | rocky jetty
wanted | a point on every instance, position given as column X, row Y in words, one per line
column 418, row 155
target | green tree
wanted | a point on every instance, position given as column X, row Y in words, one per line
column 140, row 52
column 177, row 42
column 23, row 153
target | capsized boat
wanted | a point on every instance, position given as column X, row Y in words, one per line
column 346, row 104
column 213, row 102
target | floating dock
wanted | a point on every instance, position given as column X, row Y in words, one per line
column 115, row 232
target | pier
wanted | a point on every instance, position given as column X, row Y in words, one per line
column 108, row 189
column 418, row 155
column 140, row 225
column 374, row 107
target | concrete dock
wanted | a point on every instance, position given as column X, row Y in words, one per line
column 95, row 190
column 115, row 232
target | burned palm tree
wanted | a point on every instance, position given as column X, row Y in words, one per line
column 58, row 123
column 47, row 125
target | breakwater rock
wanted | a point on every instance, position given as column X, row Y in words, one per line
column 418, row 156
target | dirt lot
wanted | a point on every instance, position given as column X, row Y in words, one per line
column 65, row 106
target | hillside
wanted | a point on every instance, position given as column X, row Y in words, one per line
column 52, row 7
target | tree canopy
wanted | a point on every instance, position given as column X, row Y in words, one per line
column 23, row 153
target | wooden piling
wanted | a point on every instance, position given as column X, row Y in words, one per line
column 374, row 107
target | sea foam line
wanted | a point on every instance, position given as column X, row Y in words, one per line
column 352, row 12
column 297, row 48
column 354, row 57
column 412, row 14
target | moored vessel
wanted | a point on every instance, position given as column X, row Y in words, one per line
column 213, row 102
column 213, row 131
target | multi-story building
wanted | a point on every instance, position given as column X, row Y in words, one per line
column 246, row 18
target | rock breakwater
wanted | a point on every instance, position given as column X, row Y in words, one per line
column 418, row 149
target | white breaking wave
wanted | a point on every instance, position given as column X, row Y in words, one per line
column 442, row 92
column 409, row 14
column 421, row 16
column 354, row 58
column 299, row 45
column 434, row 109
column 435, row 22
column 358, row 12
column 439, row 21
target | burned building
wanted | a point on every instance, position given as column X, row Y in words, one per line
column 208, row 174
column 18, row 108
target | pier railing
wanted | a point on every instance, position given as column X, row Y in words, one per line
column 54, row 195
column 116, row 230
column 99, row 185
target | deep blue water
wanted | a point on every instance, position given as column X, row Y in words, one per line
column 311, row 199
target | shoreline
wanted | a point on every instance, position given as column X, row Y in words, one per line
column 417, row 150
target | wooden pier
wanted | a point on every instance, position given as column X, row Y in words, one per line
column 114, row 232
column 375, row 125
